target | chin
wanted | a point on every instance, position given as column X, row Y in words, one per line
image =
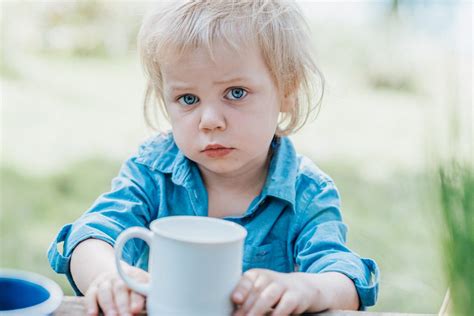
column 220, row 167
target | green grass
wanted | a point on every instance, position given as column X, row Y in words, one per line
column 387, row 221
column 392, row 221
column 34, row 208
column 457, row 197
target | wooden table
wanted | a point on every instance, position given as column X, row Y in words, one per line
column 74, row 306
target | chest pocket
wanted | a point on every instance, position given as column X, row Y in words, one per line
column 269, row 256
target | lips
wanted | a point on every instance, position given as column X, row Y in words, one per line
column 217, row 150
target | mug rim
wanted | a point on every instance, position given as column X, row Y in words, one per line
column 46, row 307
column 241, row 231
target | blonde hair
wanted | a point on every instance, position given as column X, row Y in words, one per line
column 277, row 27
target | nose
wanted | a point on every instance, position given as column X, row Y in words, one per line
column 212, row 118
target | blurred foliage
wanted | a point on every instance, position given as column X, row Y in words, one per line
column 86, row 28
column 385, row 216
column 457, row 201
column 6, row 69
column 34, row 208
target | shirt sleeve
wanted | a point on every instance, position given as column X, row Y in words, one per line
column 130, row 202
column 321, row 245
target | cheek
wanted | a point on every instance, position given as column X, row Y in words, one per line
column 258, row 130
column 263, row 121
column 185, row 143
column 179, row 120
column 181, row 131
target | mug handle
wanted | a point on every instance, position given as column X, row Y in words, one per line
column 130, row 233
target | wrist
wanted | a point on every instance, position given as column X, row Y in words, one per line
column 320, row 297
column 332, row 290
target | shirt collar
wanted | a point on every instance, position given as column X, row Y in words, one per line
column 281, row 178
column 161, row 153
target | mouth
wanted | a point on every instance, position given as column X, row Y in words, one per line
column 217, row 150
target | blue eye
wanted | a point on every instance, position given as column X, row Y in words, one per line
column 236, row 94
column 188, row 99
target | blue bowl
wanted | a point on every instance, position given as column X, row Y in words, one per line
column 27, row 293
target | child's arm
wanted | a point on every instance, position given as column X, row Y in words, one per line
column 293, row 293
column 89, row 259
column 330, row 274
column 82, row 250
column 94, row 272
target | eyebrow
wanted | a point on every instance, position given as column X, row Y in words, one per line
column 231, row 80
column 180, row 86
column 184, row 86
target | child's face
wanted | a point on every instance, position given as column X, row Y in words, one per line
column 230, row 100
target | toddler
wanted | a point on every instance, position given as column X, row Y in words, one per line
column 234, row 78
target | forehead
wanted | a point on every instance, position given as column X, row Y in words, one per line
column 220, row 62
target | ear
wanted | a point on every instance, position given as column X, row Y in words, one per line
column 288, row 103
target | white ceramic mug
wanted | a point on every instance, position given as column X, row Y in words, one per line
column 195, row 262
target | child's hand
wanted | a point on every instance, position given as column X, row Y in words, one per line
column 112, row 294
column 260, row 290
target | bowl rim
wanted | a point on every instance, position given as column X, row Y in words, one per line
column 46, row 307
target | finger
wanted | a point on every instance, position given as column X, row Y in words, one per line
column 106, row 299
column 258, row 286
column 267, row 299
column 246, row 282
column 261, row 282
column 252, row 274
column 238, row 312
column 287, row 305
column 121, row 297
column 242, row 290
column 138, row 274
column 137, row 302
column 91, row 301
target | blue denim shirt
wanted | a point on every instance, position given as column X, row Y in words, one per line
column 295, row 223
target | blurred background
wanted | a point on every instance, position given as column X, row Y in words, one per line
column 398, row 73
